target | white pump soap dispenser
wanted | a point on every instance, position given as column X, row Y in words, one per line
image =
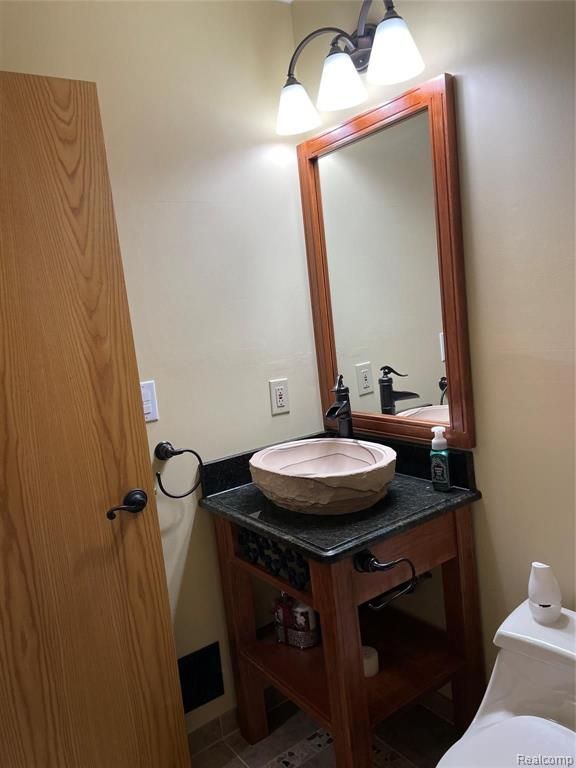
column 544, row 596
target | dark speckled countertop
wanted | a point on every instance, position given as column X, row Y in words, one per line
column 410, row 502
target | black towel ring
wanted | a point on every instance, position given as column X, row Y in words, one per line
column 165, row 451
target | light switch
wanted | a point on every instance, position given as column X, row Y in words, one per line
column 149, row 402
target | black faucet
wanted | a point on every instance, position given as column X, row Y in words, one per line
column 443, row 385
column 388, row 395
column 341, row 409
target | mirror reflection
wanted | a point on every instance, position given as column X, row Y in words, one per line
column 380, row 227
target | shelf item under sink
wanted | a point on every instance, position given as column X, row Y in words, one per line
column 415, row 658
column 332, row 476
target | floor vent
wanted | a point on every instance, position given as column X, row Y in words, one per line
column 201, row 677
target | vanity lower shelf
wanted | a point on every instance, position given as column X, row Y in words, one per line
column 414, row 659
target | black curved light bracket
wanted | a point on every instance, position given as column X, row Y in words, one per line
column 365, row 562
column 358, row 43
column 164, row 451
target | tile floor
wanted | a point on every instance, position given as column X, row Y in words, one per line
column 415, row 738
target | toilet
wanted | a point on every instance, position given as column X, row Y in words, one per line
column 528, row 714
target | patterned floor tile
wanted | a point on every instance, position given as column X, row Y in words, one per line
column 325, row 759
column 412, row 739
column 382, row 757
column 283, row 739
column 218, row 756
column 419, row 735
column 294, row 757
column 320, row 739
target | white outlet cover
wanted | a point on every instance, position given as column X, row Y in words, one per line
column 279, row 397
column 364, row 379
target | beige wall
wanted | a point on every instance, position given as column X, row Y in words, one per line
column 208, row 212
column 514, row 63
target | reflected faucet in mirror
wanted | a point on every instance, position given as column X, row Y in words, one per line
column 341, row 410
column 388, row 395
column 443, row 386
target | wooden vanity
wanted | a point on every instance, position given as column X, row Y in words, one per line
column 431, row 529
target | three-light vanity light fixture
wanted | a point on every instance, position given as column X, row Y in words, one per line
column 386, row 52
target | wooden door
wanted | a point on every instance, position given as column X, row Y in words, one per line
column 88, row 673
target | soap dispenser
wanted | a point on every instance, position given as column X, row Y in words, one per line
column 439, row 460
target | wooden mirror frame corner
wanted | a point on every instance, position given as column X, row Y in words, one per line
column 436, row 96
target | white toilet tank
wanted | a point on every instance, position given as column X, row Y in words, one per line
column 535, row 672
column 529, row 708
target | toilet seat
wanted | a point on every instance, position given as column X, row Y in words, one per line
column 502, row 744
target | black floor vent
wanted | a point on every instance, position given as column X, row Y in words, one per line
column 201, row 677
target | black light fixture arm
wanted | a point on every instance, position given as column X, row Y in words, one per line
column 363, row 18
column 340, row 34
column 359, row 43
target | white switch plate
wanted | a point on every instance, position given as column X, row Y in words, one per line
column 149, row 402
column 364, row 378
column 279, row 398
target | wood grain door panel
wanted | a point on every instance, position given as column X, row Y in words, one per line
column 87, row 663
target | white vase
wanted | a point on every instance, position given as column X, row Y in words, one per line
column 544, row 594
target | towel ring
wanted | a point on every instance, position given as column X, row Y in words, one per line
column 164, row 451
column 365, row 562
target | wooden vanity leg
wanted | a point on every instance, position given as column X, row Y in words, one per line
column 334, row 596
column 239, row 604
column 463, row 620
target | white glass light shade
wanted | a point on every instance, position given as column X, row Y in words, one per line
column 394, row 57
column 296, row 113
column 340, row 84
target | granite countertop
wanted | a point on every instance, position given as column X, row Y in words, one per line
column 410, row 501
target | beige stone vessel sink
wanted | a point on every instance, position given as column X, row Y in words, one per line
column 325, row 476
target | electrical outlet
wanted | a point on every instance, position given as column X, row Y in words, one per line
column 279, row 399
column 364, row 378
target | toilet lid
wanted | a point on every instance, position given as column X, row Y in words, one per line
column 515, row 741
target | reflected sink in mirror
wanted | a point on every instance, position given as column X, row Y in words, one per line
column 436, row 414
column 326, row 476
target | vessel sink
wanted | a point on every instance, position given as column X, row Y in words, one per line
column 438, row 414
column 325, row 476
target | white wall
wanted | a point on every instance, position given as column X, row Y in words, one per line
column 208, row 212
column 514, row 64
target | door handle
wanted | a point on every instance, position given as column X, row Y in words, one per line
column 134, row 501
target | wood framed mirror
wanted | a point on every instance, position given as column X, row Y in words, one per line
column 381, row 206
